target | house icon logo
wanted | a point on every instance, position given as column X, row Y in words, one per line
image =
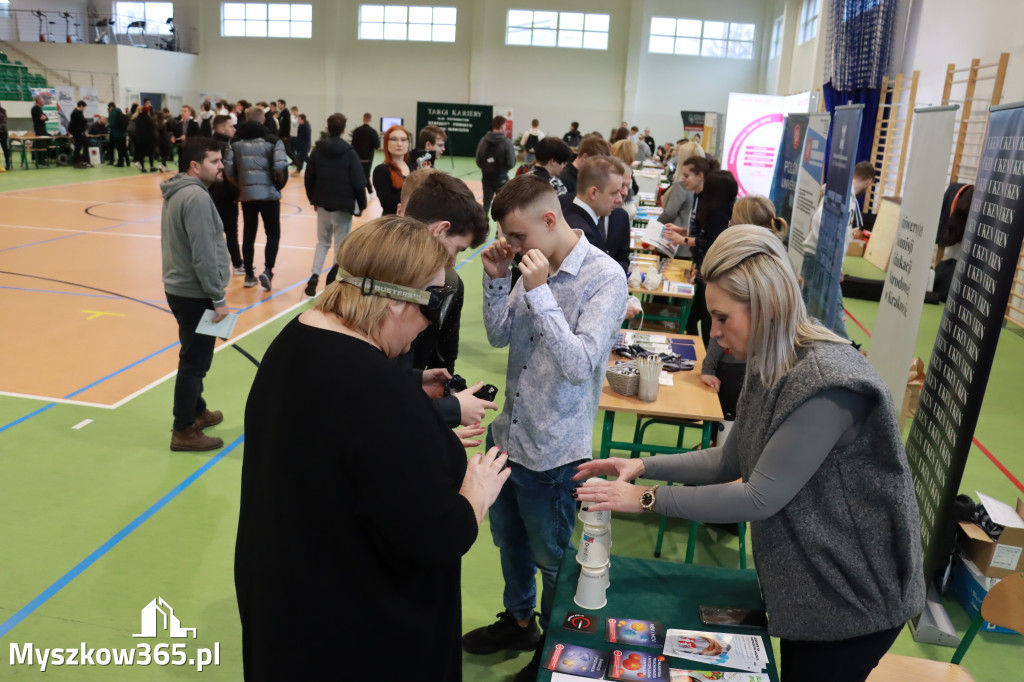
column 159, row 615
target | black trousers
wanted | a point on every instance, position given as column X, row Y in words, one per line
column 287, row 142
column 228, row 212
column 270, row 211
column 194, row 359
column 6, row 150
column 81, row 154
column 699, row 313
column 366, row 169
column 491, row 188
column 846, row 660
column 119, row 151
column 143, row 149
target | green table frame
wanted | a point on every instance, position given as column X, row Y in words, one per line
column 655, row 590
column 685, row 304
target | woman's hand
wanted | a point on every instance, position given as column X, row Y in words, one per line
column 675, row 235
column 622, row 468
column 711, row 381
column 484, row 477
column 467, row 433
column 473, row 409
column 610, row 495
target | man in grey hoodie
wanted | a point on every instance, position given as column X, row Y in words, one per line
column 495, row 156
column 196, row 270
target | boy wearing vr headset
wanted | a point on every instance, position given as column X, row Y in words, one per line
column 559, row 321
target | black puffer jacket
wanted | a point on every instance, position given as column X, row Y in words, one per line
column 335, row 180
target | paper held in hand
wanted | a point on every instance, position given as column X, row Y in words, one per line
column 222, row 330
column 654, row 238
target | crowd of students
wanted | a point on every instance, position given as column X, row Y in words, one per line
column 341, row 515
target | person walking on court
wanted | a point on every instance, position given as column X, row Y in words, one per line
column 495, row 157
column 366, row 141
column 336, row 188
column 196, row 271
column 258, row 166
column 77, row 128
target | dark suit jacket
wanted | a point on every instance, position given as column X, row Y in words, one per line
column 617, row 244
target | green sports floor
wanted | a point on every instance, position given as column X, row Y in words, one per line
column 98, row 522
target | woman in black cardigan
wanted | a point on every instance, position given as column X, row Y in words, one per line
column 389, row 176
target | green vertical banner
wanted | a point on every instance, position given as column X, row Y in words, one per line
column 465, row 124
column 943, row 429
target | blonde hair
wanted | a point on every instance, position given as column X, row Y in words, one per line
column 684, row 151
column 413, row 182
column 625, row 150
column 750, row 265
column 755, row 209
column 391, row 249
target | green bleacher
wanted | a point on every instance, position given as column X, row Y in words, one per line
column 15, row 81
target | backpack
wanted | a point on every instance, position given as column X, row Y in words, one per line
column 531, row 143
column 524, row 169
column 491, row 167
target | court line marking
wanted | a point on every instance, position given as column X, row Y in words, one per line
column 71, row 184
column 91, row 202
column 69, row 236
column 102, row 233
column 46, row 398
column 82, row 424
column 97, row 554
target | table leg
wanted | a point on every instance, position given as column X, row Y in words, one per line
column 691, row 542
column 606, row 434
column 705, row 441
column 684, row 313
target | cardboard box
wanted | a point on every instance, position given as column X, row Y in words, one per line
column 912, row 396
column 968, row 587
column 856, row 248
column 996, row 559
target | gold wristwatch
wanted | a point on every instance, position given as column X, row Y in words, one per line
column 648, row 498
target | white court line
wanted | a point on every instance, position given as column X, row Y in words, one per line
column 91, row 202
column 62, row 401
column 230, row 342
column 69, row 184
column 81, row 424
column 97, row 232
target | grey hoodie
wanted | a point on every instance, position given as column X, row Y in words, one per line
column 195, row 255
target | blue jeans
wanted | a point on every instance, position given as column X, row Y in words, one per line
column 531, row 524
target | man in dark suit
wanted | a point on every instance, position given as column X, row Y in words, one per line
column 595, row 208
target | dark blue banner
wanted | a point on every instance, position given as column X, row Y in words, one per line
column 787, row 165
column 943, row 429
column 823, row 287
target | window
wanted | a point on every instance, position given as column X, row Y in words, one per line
column 809, row 20
column 776, row 39
column 266, row 20
column 557, row 29
column 150, row 17
column 402, row 22
column 704, row 38
column 5, row 8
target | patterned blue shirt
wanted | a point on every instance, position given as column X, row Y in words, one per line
column 560, row 335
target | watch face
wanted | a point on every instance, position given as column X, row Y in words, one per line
column 647, row 499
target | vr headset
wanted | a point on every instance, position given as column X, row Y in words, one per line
column 434, row 302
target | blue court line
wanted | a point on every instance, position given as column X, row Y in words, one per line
column 62, row 582
column 78, row 234
column 28, row 416
column 474, row 254
column 75, row 293
column 122, row 370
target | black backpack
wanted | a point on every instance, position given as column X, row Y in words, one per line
column 491, row 166
column 531, row 143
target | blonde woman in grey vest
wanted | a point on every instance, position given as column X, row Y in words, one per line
column 814, row 462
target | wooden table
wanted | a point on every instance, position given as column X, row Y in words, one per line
column 686, row 400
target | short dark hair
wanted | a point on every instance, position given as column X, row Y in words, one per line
column 302, row 117
column 431, row 134
column 594, row 145
column 111, row 105
column 81, row 103
column 498, row 122
column 534, row 123
column 574, row 125
column 282, row 102
column 196, row 148
column 367, row 116
column 702, row 164
column 864, row 170
column 519, row 192
column 443, row 197
column 336, row 124
column 219, row 119
column 552, row 149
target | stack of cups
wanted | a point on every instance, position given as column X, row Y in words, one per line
column 650, row 375
column 594, row 555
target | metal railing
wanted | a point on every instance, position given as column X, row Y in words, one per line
column 22, row 25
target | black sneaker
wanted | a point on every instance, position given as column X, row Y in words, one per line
column 311, row 285
column 265, row 278
column 501, row 635
column 250, row 282
column 532, row 669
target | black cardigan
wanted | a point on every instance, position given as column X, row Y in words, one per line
column 388, row 194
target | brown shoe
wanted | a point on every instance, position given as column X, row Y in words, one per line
column 209, row 418
column 193, row 439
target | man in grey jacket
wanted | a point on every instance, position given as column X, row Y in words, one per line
column 257, row 164
column 196, row 270
column 495, row 157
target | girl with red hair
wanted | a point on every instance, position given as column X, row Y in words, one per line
column 389, row 176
